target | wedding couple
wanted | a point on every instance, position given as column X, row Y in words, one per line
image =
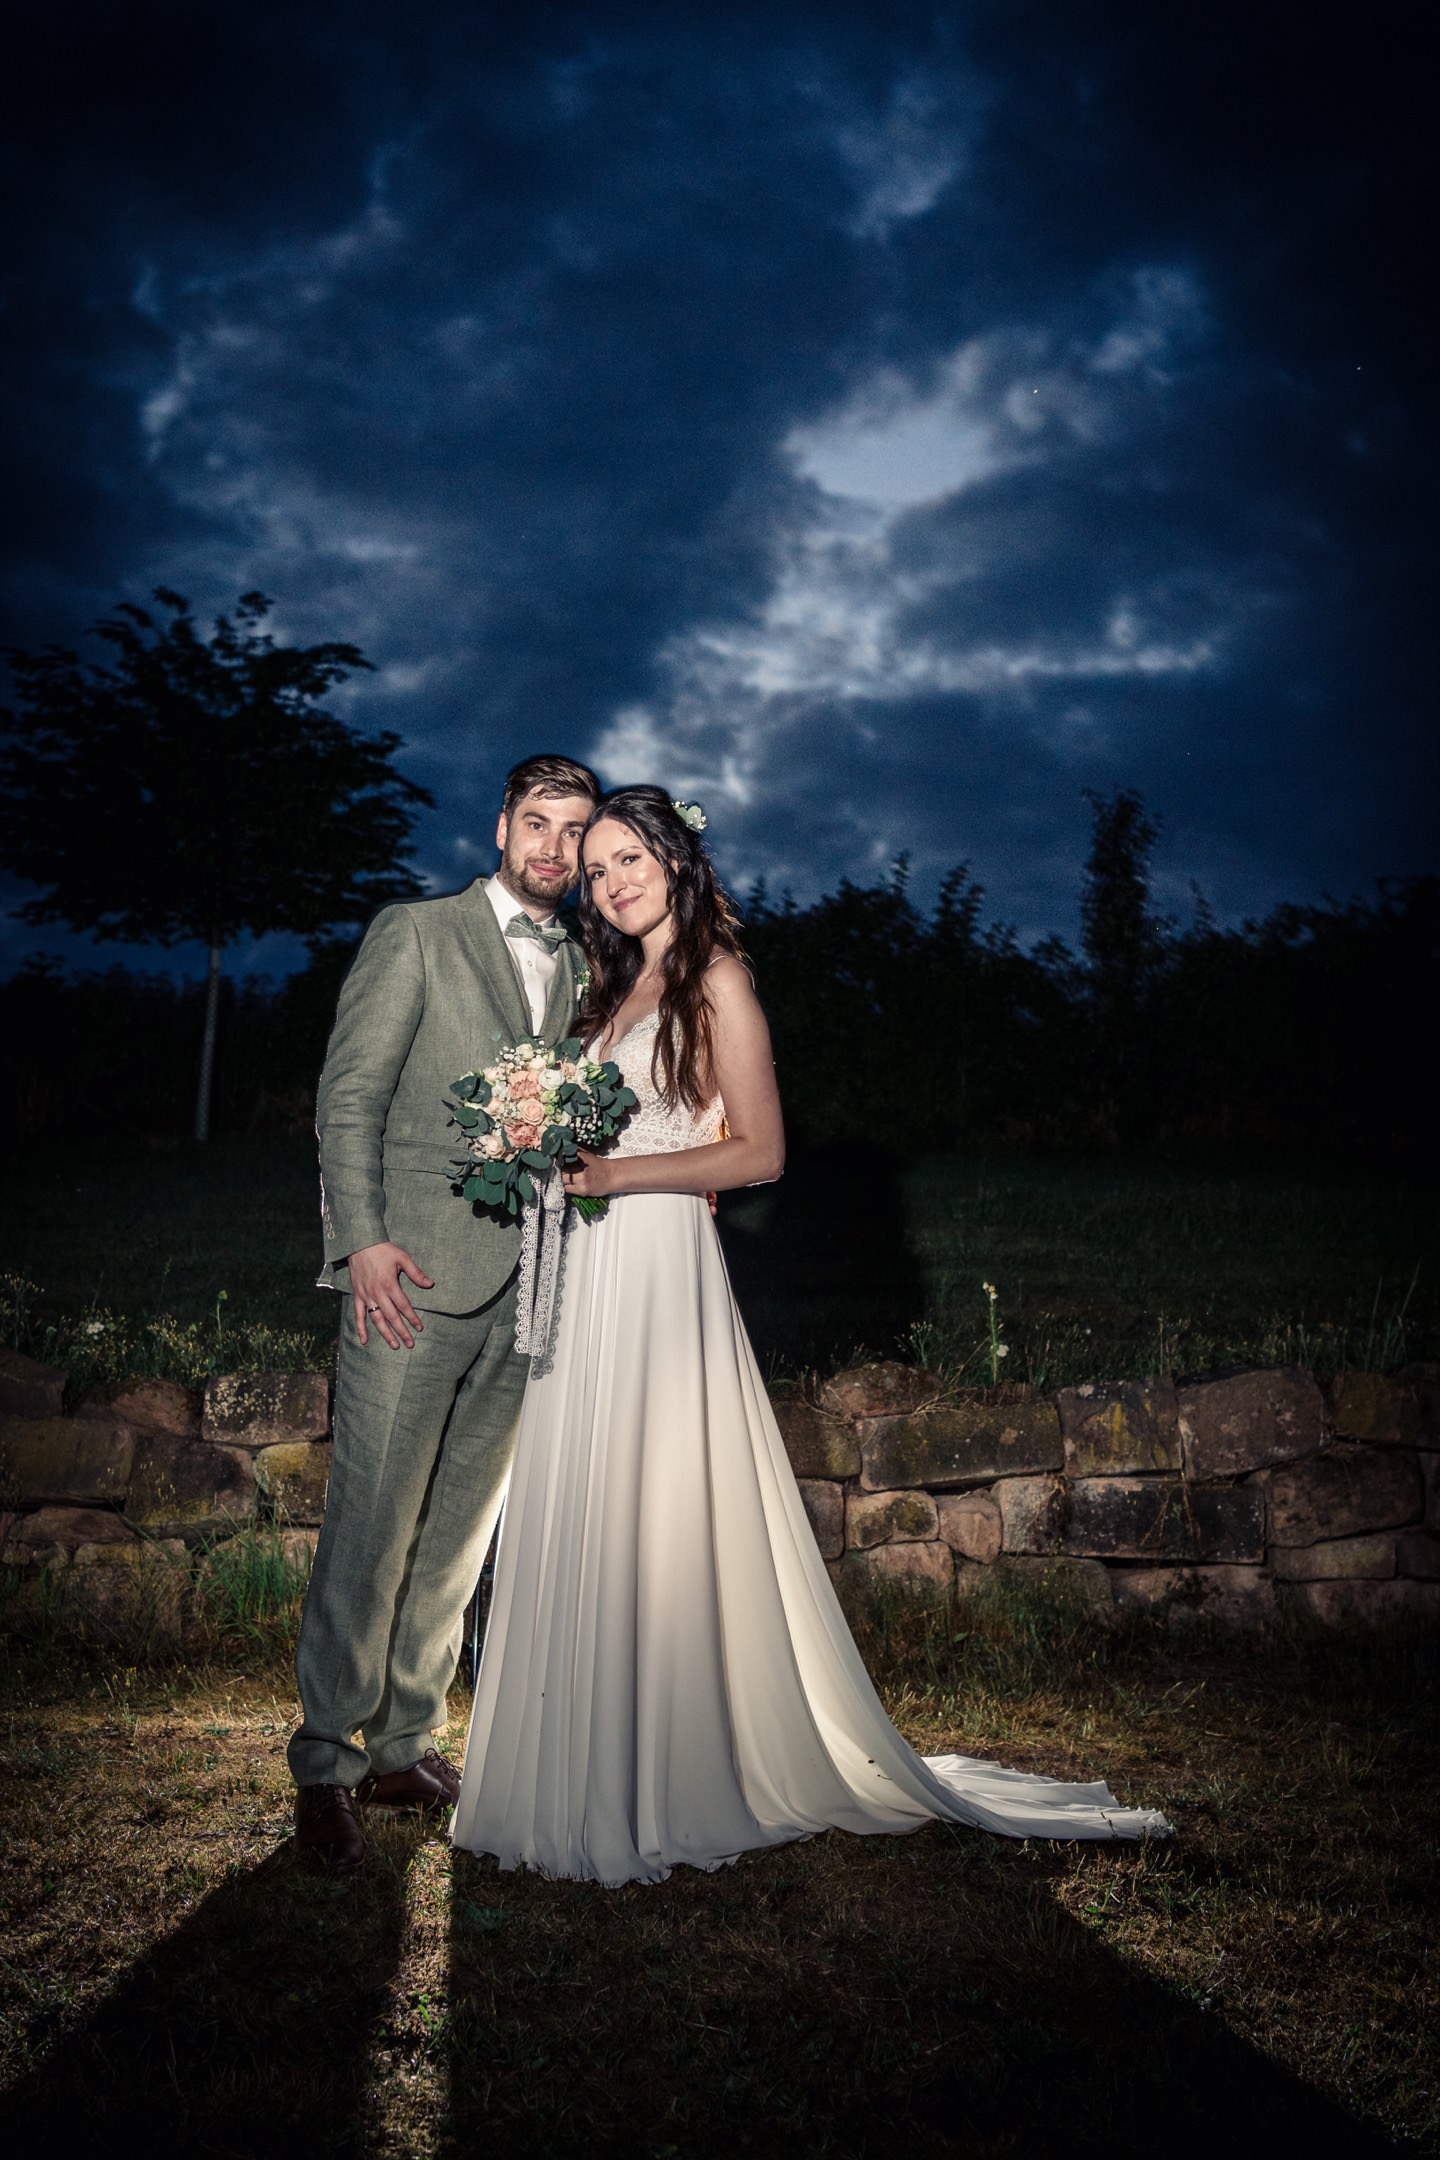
column 667, row 1675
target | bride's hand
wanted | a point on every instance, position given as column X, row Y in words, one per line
column 593, row 1179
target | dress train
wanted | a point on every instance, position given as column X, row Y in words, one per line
column 667, row 1675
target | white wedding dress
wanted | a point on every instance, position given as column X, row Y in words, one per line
column 667, row 1675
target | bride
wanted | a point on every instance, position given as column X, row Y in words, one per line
column 667, row 1675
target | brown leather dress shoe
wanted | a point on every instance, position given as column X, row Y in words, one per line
column 428, row 1785
column 326, row 1833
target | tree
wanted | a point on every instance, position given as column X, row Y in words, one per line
column 198, row 790
column 1125, row 945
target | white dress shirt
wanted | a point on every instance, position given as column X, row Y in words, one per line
column 536, row 962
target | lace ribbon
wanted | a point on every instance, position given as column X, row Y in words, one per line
column 543, row 1227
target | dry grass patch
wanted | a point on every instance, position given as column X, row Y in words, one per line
column 169, row 1974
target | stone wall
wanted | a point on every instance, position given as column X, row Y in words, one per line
column 108, row 1516
column 1228, row 1498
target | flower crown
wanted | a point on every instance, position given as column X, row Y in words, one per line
column 691, row 815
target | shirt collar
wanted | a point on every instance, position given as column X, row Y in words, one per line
column 504, row 903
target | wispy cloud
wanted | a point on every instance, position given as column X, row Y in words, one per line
column 885, row 428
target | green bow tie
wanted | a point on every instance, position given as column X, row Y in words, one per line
column 547, row 934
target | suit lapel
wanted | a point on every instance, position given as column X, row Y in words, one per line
column 493, row 962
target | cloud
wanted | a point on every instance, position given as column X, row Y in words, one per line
column 927, row 506
column 884, row 429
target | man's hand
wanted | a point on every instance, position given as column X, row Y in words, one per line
column 375, row 1273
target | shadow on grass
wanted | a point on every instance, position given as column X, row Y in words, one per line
column 822, row 1263
column 914, row 1997
column 909, row 1997
column 252, row 2030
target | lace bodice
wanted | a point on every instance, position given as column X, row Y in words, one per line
column 652, row 1129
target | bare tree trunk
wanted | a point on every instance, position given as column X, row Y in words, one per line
column 207, row 1047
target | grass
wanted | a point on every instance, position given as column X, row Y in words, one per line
column 1105, row 1269
column 168, row 1973
column 176, row 1263
column 1115, row 1270
column 190, row 1261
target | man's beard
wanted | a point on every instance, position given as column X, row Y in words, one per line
column 547, row 892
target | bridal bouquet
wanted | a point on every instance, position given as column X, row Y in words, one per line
column 528, row 1115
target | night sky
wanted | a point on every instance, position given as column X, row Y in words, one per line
column 883, row 423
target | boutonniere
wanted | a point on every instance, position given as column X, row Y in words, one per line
column 582, row 980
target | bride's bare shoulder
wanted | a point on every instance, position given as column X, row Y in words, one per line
column 727, row 978
column 730, row 989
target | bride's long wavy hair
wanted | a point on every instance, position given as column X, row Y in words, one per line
column 705, row 924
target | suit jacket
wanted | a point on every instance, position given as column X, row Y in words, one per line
column 432, row 994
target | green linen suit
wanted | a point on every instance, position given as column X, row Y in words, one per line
column 423, row 1437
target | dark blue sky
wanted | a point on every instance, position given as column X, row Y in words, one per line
column 883, row 423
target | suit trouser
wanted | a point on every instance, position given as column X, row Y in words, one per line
column 423, row 1445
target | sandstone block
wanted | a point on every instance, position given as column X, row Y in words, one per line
column 298, row 1547
column 1377, row 1407
column 1429, row 1463
column 818, row 1446
column 294, row 1477
column 63, row 1459
column 1119, row 1428
column 1249, row 1421
column 1425, row 1380
column 968, row 1442
column 890, row 1518
column 1157, row 1519
column 1417, row 1552
column 1341, row 1493
column 145, row 1406
column 1367, row 1604
column 47, row 1536
column 825, row 1506
column 125, row 1590
column 1233, row 1596
column 1336, row 1560
column 1071, row 1582
column 186, row 1489
column 1033, row 1511
column 884, row 1389
column 970, row 1524
column 256, row 1410
column 29, row 1389
column 924, row 1570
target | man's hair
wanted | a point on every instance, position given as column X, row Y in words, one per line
column 548, row 774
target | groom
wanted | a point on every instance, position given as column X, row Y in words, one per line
column 429, row 1382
